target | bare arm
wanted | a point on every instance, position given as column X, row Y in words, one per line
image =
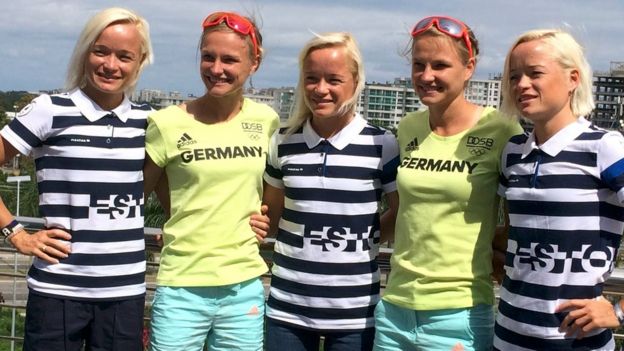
column 499, row 246
column 388, row 218
column 266, row 223
column 162, row 193
column 152, row 174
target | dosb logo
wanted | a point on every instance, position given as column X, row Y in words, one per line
column 485, row 143
column 252, row 127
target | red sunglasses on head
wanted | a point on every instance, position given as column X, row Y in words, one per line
column 235, row 22
column 447, row 25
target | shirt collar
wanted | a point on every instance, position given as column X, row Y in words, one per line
column 92, row 111
column 559, row 141
column 339, row 140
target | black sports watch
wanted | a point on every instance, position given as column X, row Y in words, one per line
column 11, row 229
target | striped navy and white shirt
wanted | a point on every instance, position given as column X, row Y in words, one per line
column 566, row 213
column 325, row 274
column 89, row 173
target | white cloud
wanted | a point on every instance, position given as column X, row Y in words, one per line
column 38, row 35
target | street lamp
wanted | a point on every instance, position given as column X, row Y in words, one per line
column 18, row 180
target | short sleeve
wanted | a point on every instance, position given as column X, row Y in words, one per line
column 31, row 126
column 611, row 162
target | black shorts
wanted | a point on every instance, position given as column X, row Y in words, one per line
column 66, row 325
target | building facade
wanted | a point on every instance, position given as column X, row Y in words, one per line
column 385, row 104
column 609, row 97
column 484, row 92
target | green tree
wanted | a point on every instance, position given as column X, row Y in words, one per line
column 23, row 101
column 3, row 117
column 29, row 194
column 9, row 99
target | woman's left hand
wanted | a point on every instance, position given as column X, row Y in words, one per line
column 260, row 223
column 586, row 315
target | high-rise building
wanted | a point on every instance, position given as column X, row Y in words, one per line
column 385, row 104
column 283, row 101
column 484, row 92
column 158, row 99
column 609, row 97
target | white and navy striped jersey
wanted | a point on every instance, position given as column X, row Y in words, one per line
column 566, row 213
column 89, row 166
column 325, row 274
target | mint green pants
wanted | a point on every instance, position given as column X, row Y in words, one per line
column 229, row 317
column 462, row 329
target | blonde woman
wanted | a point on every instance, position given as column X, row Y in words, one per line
column 326, row 175
column 564, row 186
column 439, row 294
column 87, row 281
column 213, row 152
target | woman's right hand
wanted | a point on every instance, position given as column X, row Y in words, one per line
column 260, row 223
column 48, row 244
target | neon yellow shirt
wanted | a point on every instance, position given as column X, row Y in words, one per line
column 215, row 179
column 447, row 213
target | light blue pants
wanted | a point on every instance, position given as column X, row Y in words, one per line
column 229, row 317
column 401, row 329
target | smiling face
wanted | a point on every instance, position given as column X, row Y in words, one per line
column 438, row 72
column 113, row 63
column 540, row 86
column 328, row 81
column 225, row 63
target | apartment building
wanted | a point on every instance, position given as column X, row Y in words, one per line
column 609, row 97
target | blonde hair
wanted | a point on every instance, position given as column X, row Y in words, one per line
column 569, row 54
column 76, row 77
column 301, row 112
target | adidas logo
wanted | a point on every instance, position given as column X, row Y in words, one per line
column 185, row 140
column 413, row 145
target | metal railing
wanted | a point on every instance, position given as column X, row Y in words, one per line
column 14, row 266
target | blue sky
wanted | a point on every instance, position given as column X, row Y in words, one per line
column 37, row 36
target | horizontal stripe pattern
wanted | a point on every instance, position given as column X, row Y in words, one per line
column 325, row 272
column 566, row 217
column 90, row 181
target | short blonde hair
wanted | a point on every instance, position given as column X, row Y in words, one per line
column 76, row 77
column 569, row 54
column 301, row 112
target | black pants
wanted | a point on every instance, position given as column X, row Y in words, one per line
column 57, row 324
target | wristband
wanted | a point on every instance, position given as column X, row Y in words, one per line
column 11, row 229
column 618, row 312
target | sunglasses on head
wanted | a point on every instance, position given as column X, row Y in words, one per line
column 235, row 22
column 447, row 25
